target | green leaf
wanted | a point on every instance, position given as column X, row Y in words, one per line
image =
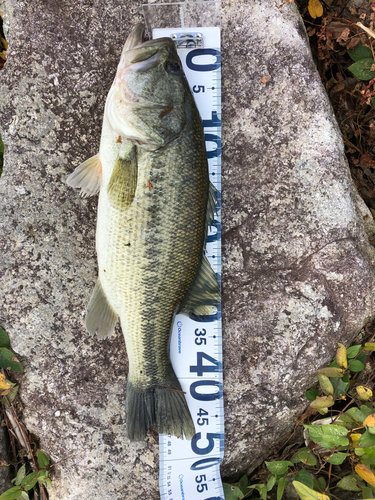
column 354, row 350
column 323, row 402
column 305, row 478
column 242, row 484
column 348, row 483
column 361, row 70
column 305, row 456
column 24, row 496
column 356, row 414
column 320, row 484
column 362, row 357
column 311, row 394
column 370, row 450
column 43, row 461
column 307, row 493
column 8, row 360
column 367, row 492
column 232, row 492
column 367, row 440
column 337, row 458
column 11, row 494
column 360, row 52
column 281, row 485
column 271, row 482
column 325, row 384
column 331, row 371
column 20, row 475
column 10, row 397
column 43, row 476
column 279, row 468
column 4, row 339
column 356, row 365
column 360, row 414
column 328, row 436
column 31, row 479
column 367, row 409
column 341, row 384
column 262, row 488
column 368, row 459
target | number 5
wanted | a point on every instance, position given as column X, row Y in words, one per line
column 200, row 88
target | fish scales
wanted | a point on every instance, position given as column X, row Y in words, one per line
column 152, row 220
column 153, row 262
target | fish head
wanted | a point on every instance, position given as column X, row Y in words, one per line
column 147, row 101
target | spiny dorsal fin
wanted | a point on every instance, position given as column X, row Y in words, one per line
column 123, row 181
column 204, row 295
column 87, row 176
column 211, row 208
column 100, row 317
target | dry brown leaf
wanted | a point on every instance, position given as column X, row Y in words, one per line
column 367, row 161
column 353, row 43
column 311, row 31
column 338, row 87
column 310, row 411
column 265, row 78
column 365, row 474
column 344, row 35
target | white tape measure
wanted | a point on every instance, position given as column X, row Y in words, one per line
column 190, row 470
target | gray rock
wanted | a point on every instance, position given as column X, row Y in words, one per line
column 298, row 269
column 61, row 61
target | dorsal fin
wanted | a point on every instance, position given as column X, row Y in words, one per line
column 87, row 176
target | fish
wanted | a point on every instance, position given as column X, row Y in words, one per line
column 155, row 206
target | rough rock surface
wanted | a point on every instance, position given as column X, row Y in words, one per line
column 298, row 269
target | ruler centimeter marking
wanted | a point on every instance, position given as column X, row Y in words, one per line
column 190, row 470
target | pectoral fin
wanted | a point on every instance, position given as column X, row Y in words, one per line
column 100, row 317
column 204, row 295
column 87, row 176
column 123, row 181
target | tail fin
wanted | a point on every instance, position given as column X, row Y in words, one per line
column 140, row 411
column 164, row 403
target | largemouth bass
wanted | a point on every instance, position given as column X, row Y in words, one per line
column 155, row 205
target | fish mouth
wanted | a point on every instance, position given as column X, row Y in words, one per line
column 140, row 52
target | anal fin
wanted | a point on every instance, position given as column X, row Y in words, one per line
column 87, row 176
column 211, row 207
column 204, row 294
column 100, row 317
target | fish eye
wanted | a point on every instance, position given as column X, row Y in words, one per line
column 173, row 68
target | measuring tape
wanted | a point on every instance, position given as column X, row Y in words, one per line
column 190, row 470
